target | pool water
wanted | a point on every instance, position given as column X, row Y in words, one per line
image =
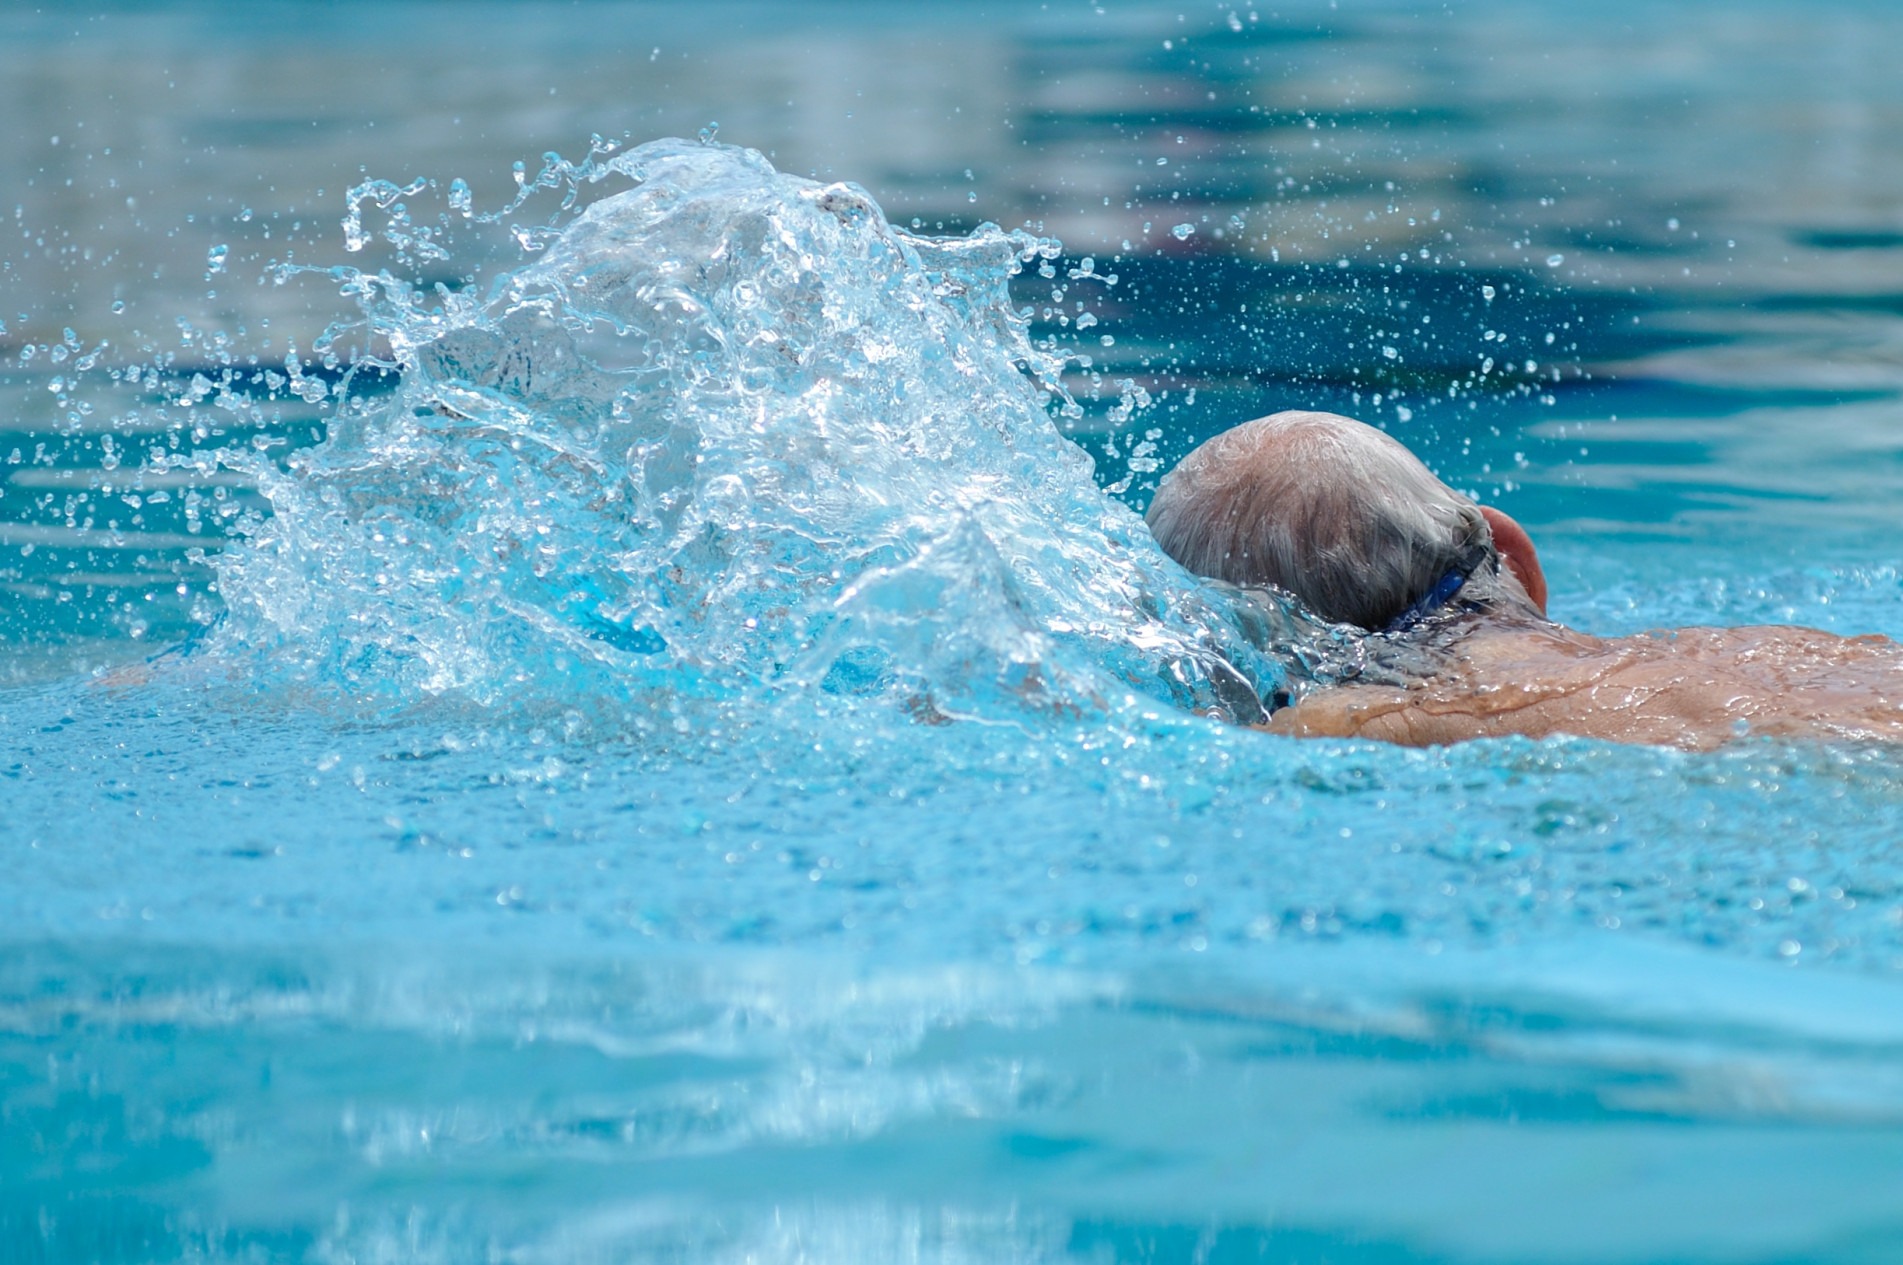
column 628, row 713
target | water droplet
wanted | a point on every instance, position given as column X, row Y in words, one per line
column 1554, row 261
column 460, row 199
column 118, row 306
column 215, row 258
column 1182, row 231
column 708, row 133
column 1486, row 292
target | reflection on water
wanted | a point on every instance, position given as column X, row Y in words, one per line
column 1744, row 149
column 795, row 1112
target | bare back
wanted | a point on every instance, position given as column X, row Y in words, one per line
column 1695, row 688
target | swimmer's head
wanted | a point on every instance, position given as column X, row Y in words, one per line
column 1342, row 516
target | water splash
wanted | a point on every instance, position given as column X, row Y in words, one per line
column 726, row 435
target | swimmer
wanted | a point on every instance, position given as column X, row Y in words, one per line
column 1351, row 523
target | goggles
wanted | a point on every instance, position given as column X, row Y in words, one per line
column 1442, row 591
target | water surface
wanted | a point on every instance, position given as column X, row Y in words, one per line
column 653, row 730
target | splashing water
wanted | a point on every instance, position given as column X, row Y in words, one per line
column 753, row 965
column 729, row 436
column 695, row 518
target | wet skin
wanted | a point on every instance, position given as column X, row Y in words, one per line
column 1695, row 688
column 1503, row 668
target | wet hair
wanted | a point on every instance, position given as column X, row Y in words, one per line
column 1331, row 510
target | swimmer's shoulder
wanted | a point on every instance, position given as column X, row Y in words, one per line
column 1530, row 678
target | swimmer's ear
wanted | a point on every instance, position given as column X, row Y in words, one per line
column 1516, row 547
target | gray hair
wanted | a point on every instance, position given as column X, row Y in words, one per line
column 1334, row 511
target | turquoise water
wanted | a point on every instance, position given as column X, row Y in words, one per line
column 633, row 717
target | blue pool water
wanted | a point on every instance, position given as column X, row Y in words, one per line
column 639, row 721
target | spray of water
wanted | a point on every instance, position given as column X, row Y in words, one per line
column 723, row 436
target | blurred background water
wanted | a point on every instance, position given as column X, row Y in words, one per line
column 1698, row 208
column 389, row 925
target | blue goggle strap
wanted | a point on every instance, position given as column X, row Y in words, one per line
column 1441, row 593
